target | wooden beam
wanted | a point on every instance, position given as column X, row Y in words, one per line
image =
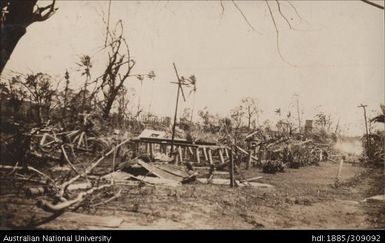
column 245, row 152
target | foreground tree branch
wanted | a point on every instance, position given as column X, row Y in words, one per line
column 54, row 208
column 17, row 15
column 243, row 15
column 30, row 168
column 64, row 186
column 373, row 4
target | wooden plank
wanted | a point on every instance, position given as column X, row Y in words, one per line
column 215, row 181
column 176, row 141
column 252, row 179
column 117, row 176
column 219, row 181
column 256, row 184
column 171, row 170
column 159, row 172
column 245, row 152
column 156, row 180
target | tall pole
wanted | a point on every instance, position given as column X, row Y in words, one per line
column 299, row 117
column 176, row 112
column 366, row 128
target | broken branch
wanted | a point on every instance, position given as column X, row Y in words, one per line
column 68, row 161
column 49, row 207
column 90, row 168
column 117, row 195
column 28, row 168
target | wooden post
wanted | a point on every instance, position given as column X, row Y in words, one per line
column 114, row 159
column 180, row 83
column 180, row 154
column 147, row 148
column 249, row 159
column 366, row 131
column 210, row 156
column 135, row 149
column 184, row 153
column 221, row 156
column 340, row 169
column 205, row 153
column 260, row 154
column 227, row 153
column 151, row 150
column 197, row 155
column 190, row 150
column 231, row 169
column 175, row 157
column 264, row 155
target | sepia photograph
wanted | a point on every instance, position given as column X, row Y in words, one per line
column 191, row 115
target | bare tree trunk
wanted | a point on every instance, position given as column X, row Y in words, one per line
column 231, row 169
column 14, row 27
column 108, row 106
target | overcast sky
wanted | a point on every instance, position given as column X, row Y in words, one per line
column 333, row 57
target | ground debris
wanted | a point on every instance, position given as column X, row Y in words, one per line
column 375, row 199
column 69, row 219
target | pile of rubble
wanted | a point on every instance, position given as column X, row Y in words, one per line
column 274, row 154
column 165, row 174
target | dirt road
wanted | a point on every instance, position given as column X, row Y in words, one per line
column 301, row 198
